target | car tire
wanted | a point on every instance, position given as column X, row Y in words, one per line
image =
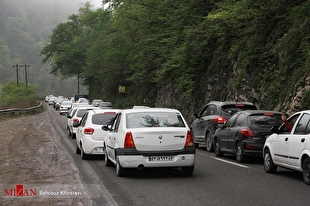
column 77, row 149
column 69, row 133
column 107, row 161
column 83, row 155
column 209, row 144
column 217, row 148
column 239, row 156
column 269, row 166
column 73, row 136
column 188, row 171
column 306, row 170
column 119, row 170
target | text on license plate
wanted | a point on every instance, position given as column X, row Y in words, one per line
column 160, row 158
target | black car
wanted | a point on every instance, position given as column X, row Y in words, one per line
column 245, row 133
column 206, row 122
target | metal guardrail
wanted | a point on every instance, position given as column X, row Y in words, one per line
column 12, row 110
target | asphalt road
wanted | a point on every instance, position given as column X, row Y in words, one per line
column 216, row 181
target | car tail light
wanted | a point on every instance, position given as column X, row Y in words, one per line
column 75, row 120
column 189, row 139
column 247, row 133
column 88, row 130
column 220, row 120
column 129, row 143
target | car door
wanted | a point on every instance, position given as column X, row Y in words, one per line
column 234, row 132
column 297, row 140
column 226, row 133
column 111, row 140
column 199, row 124
column 280, row 146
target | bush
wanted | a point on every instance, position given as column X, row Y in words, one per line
column 12, row 95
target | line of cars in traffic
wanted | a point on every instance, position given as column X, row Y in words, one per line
column 241, row 129
column 160, row 137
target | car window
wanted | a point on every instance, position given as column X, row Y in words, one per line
column 265, row 121
column 303, row 126
column 209, row 110
column 116, row 122
column 229, row 110
column 231, row 121
column 83, row 120
column 102, row 119
column 239, row 120
column 81, row 112
column 154, row 119
column 292, row 119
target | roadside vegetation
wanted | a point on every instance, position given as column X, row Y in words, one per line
column 182, row 54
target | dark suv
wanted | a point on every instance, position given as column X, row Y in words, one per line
column 206, row 122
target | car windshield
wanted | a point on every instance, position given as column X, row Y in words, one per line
column 265, row 121
column 102, row 119
column 229, row 110
column 154, row 119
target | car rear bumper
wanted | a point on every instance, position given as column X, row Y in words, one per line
column 135, row 161
column 131, row 158
column 92, row 146
column 250, row 147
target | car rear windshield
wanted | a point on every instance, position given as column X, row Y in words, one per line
column 102, row 119
column 154, row 119
column 81, row 112
column 265, row 121
column 229, row 110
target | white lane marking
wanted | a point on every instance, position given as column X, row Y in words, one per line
column 226, row 161
column 233, row 163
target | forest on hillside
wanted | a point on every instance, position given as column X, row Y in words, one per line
column 25, row 27
column 166, row 53
column 183, row 54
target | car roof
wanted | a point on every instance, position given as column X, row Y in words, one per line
column 150, row 110
column 98, row 111
column 229, row 103
column 250, row 112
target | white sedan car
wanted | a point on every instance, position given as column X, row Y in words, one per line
column 74, row 116
column 289, row 146
column 89, row 135
column 151, row 137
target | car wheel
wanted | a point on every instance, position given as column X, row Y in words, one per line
column 239, row 156
column 217, row 148
column 83, row 155
column 306, row 170
column 209, row 144
column 107, row 162
column 187, row 170
column 269, row 166
column 73, row 136
column 119, row 170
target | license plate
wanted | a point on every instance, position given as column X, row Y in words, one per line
column 160, row 158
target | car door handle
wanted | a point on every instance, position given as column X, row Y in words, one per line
column 303, row 140
column 286, row 139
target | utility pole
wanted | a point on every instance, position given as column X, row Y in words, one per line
column 16, row 74
column 26, row 74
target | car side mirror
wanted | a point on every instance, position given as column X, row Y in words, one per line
column 76, row 124
column 68, row 116
column 106, row 127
